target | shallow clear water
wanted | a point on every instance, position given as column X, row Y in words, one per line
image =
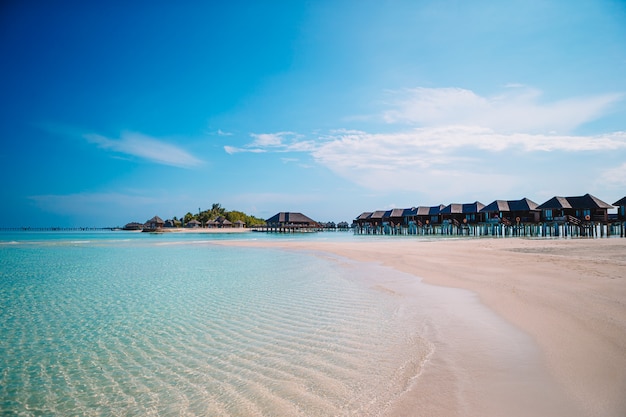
column 136, row 324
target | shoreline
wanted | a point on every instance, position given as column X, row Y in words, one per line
column 567, row 295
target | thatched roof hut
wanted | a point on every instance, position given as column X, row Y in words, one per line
column 154, row 223
column 193, row 224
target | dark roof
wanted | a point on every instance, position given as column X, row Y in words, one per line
column 429, row 211
column 365, row 215
column 621, row 202
column 379, row 214
column 522, row 205
column 555, row 203
column 510, row 205
column 289, row 217
column 155, row 219
column 498, row 205
column 398, row 212
column 474, row 207
column 452, row 208
column 586, row 201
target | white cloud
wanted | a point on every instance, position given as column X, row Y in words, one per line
column 233, row 150
column 276, row 142
column 146, row 147
column 517, row 109
column 615, row 177
column 268, row 139
column 457, row 141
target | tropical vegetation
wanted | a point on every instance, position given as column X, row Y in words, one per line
column 217, row 211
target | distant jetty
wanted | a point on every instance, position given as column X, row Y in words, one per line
column 56, row 229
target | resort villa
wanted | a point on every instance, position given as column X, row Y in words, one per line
column 290, row 221
column 584, row 215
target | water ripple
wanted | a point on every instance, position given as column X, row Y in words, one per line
column 148, row 329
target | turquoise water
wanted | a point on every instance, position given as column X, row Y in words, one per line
column 118, row 323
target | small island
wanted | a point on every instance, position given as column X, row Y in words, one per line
column 217, row 218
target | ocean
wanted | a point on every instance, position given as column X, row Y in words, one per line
column 122, row 323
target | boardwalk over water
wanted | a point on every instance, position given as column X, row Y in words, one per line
column 56, row 229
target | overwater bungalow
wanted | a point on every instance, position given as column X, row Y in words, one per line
column 575, row 209
column 343, row 226
column 363, row 217
column 463, row 213
column 621, row 208
column 425, row 215
column 560, row 216
column 396, row 217
column 289, row 221
column 512, row 211
column 376, row 219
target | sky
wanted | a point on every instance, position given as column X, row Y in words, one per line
column 113, row 112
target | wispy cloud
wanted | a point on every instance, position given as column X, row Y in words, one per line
column 615, row 176
column 146, row 147
column 275, row 142
column 516, row 109
column 448, row 138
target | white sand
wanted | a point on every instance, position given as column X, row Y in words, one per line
column 566, row 299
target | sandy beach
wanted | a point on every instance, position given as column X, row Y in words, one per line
column 566, row 299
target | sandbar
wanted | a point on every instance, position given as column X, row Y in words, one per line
column 567, row 296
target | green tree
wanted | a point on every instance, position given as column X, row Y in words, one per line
column 188, row 217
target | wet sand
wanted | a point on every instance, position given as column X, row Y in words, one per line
column 559, row 348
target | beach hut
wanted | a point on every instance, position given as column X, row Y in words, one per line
column 621, row 208
column 223, row 222
column 512, row 211
column 463, row 213
column 193, row 224
column 154, row 223
column 239, row 224
column 170, row 223
column 581, row 208
column 133, row 226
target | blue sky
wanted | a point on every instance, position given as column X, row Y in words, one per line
column 118, row 111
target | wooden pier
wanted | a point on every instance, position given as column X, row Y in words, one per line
column 287, row 229
column 56, row 229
